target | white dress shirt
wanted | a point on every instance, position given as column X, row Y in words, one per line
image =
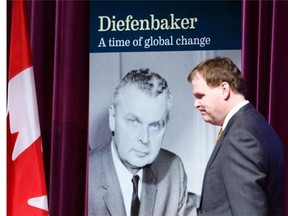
column 232, row 112
column 125, row 177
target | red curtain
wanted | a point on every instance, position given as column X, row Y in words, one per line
column 265, row 63
column 59, row 32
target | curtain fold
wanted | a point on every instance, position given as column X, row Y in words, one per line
column 60, row 47
column 70, row 109
column 42, row 19
column 265, row 63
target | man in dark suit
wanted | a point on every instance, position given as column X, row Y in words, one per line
column 138, row 119
column 244, row 175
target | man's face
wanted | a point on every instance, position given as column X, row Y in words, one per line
column 139, row 125
column 208, row 100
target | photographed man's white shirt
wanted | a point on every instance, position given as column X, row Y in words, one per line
column 125, row 177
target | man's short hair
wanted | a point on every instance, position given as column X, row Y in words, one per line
column 218, row 70
column 150, row 83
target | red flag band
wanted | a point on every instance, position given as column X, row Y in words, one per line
column 26, row 191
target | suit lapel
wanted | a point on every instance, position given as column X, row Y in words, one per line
column 218, row 145
column 148, row 194
column 215, row 151
column 211, row 159
column 112, row 194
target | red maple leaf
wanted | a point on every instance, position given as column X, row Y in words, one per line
column 25, row 177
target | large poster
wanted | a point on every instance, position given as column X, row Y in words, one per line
column 169, row 38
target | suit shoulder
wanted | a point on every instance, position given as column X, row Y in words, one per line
column 167, row 157
column 99, row 150
column 168, row 165
column 95, row 155
column 164, row 153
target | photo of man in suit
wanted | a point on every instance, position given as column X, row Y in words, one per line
column 138, row 119
column 244, row 175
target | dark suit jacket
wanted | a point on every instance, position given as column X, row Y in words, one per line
column 244, row 175
column 164, row 189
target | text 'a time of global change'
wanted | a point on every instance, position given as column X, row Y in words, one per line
column 157, row 41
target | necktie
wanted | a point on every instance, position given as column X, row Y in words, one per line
column 219, row 135
column 135, row 204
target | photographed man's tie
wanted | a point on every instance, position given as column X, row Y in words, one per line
column 135, row 204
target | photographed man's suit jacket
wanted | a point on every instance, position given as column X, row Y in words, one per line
column 163, row 193
column 244, row 175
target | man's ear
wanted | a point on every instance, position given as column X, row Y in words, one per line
column 112, row 118
column 225, row 90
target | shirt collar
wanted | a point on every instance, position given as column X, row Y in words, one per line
column 232, row 112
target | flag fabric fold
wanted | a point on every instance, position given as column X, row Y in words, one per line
column 26, row 188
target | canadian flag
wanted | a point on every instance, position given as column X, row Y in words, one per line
column 26, row 188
